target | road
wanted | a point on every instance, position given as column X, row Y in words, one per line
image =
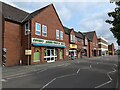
column 98, row 73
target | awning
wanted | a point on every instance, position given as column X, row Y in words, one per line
column 48, row 45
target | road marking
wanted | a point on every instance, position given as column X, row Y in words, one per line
column 48, row 83
column 90, row 66
column 41, row 71
column 66, row 75
column 115, row 65
column 102, row 84
column 23, row 74
column 107, row 81
column 3, row 80
column 78, row 70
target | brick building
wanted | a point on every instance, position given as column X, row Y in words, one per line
column 111, row 49
column 102, row 46
column 12, row 22
column 90, row 44
column 37, row 37
column 74, row 42
column 40, row 37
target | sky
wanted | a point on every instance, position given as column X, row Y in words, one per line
column 82, row 15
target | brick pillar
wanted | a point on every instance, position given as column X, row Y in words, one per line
column 42, row 55
column 58, row 54
column 64, row 54
column 32, row 55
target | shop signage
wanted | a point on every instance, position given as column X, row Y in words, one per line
column 73, row 46
column 50, row 42
column 28, row 52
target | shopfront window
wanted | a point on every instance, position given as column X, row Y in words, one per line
column 50, row 55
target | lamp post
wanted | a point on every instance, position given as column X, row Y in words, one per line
column 28, row 45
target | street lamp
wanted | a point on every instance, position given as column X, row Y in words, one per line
column 28, row 32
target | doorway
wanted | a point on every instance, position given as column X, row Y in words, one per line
column 50, row 55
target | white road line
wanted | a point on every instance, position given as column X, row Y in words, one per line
column 3, row 80
column 90, row 66
column 115, row 65
column 109, row 76
column 61, row 65
column 23, row 74
column 66, row 75
column 48, row 83
column 41, row 71
column 78, row 70
column 107, row 81
column 102, row 84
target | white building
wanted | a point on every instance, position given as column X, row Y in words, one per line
column 102, row 46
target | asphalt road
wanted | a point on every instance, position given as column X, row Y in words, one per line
column 98, row 73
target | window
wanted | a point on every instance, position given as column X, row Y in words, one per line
column 61, row 35
column 37, row 29
column 44, row 30
column 72, row 38
column 79, row 39
column 27, row 28
column 57, row 34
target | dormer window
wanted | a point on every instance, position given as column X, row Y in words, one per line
column 27, row 28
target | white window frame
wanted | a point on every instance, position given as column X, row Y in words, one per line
column 57, row 34
column 44, row 26
column 61, row 35
column 37, row 29
column 26, row 30
column 71, row 38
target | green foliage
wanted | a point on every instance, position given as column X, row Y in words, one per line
column 115, row 22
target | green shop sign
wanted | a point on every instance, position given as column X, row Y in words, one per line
column 42, row 41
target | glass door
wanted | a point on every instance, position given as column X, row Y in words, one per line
column 50, row 55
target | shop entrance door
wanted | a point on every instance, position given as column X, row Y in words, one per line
column 51, row 55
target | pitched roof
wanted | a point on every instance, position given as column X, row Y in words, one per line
column 31, row 15
column 90, row 35
column 78, row 34
column 12, row 13
column 67, row 30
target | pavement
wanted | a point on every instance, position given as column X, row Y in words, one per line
column 97, row 72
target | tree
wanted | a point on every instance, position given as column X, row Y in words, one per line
column 115, row 29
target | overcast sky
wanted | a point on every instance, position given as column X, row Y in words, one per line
column 82, row 15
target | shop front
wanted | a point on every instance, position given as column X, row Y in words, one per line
column 73, row 51
column 47, row 50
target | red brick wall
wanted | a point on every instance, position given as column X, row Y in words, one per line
column 12, row 42
column 94, row 44
column 49, row 18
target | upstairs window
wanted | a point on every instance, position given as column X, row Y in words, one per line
column 61, row 35
column 44, row 30
column 27, row 28
column 72, row 38
column 57, row 34
column 38, row 29
column 79, row 39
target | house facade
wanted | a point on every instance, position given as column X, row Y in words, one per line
column 39, row 37
column 46, row 37
column 91, row 44
column 111, row 49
